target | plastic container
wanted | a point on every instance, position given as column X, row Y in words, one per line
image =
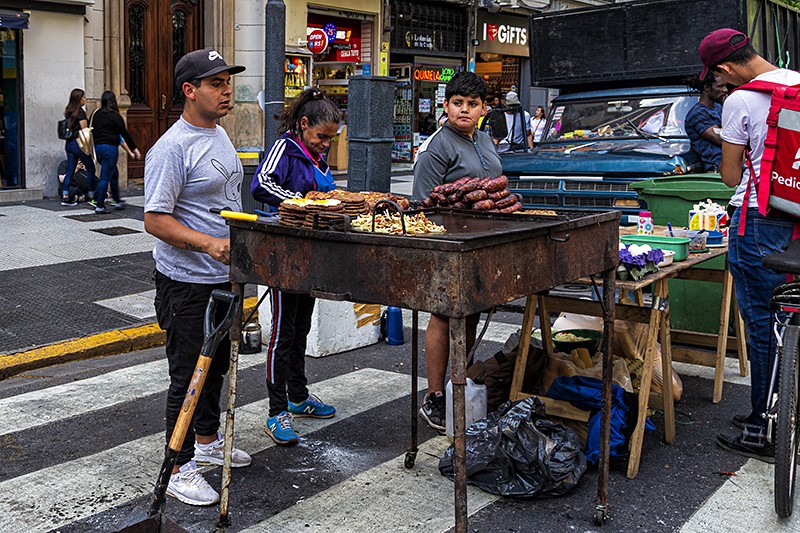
column 679, row 245
column 694, row 305
column 394, row 326
column 474, row 404
column 669, row 255
column 698, row 241
column 714, row 238
column 645, row 224
column 592, row 343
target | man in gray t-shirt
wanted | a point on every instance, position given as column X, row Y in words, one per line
column 194, row 167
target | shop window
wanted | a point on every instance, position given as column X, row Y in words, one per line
column 9, row 108
column 424, row 27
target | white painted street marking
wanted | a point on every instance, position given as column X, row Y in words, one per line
column 53, row 404
column 138, row 305
column 743, row 504
column 497, row 332
column 61, row 494
column 388, row 497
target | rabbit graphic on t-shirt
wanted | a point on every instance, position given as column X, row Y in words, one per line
column 233, row 181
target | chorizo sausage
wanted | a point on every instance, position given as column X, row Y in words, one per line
column 448, row 189
column 499, row 195
column 453, row 198
column 496, row 184
column 462, row 181
column 476, row 195
column 438, row 189
column 513, row 208
column 484, row 182
column 427, row 202
column 508, row 201
column 438, row 198
column 483, row 205
column 460, row 205
column 470, row 185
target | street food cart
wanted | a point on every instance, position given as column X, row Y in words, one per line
column 483, row 260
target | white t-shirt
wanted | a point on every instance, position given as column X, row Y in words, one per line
column 537, row 127
column 744, row 118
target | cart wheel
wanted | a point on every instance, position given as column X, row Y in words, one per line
column 411, row 457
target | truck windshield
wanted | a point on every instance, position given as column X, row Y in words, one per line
column 620, row 118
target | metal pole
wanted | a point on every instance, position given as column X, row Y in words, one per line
column 274, row 55
column 458, row 366
column 609, row 315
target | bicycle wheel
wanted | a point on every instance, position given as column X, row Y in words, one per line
column 786, row 424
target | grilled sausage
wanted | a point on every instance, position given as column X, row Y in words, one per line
column 512, row 209
column 476, row 196
column 508, row 201
column 460, row 205
column 471, row 185
column 462, row 181
column 428, row 202
column 484, row 182
column 498, row 183
column 453, row 198
column 438, row 189
column 483, row 205
column 448, row 189
column 438, row 198
column 499, row 195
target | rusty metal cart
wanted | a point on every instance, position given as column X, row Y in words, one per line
column 483, row 260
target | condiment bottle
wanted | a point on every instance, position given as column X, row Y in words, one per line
column 645, row 226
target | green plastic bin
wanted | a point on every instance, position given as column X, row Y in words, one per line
column 694, row 305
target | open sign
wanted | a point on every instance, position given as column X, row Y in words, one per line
column 317, row 41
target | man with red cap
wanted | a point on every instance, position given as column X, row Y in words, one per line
column 729, row 54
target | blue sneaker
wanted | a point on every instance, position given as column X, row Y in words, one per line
column 312, row 407
column 280, row 429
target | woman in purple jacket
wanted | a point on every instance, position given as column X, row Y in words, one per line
column 293, row 167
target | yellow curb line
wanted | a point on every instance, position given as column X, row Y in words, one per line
column 98, row 345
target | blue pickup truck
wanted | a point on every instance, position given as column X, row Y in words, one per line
column 597, row 143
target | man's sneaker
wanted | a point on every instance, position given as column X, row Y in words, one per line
column 433, row 410
column 740, row 420
column 280, row 429
column 312, row 407
column 118, row 205
column 92, row 202
column 189, row 486
column 68, row 201
column 100, row 210
column 752, row 445
column 214, row 452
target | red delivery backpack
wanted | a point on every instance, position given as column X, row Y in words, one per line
column 779, row 179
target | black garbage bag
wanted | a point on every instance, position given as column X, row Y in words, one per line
column 518, row 452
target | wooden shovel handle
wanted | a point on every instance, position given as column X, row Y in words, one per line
column 189, row 403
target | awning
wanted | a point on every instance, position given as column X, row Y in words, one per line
column 13, row 20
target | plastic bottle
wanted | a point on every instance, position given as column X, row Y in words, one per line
column 645, row 225
column 474, row 404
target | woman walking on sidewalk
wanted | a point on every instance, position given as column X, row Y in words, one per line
column 77, row 121
column 293, row 167
column 108, row 128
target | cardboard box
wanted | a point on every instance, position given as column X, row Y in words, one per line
column 337, row 155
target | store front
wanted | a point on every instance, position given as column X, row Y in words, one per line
column 428, row 47
column 341, row 46
column 12, row 25
column 502, row 55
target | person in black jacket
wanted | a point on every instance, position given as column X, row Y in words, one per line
column 77, row 120
column 108, row 127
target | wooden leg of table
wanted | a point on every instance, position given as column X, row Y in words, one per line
column 722, row 337
column 666, row 371
column 233, row 373
column 458, row 363
column 644, row 388
column 544, row 325
column 741, row 342
column 639, row 295
column 524, row 347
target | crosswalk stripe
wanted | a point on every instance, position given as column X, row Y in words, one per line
column 497, row 331
column 52, row 404
column 61, row 494
column 390, row 487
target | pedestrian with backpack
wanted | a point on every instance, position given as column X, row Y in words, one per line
column 76, row 120
column 729, row 54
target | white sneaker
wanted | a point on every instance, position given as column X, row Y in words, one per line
column 189, row 486
column 213, row 453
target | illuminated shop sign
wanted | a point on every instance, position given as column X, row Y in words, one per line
column 444, row 74
column 417, row 40
column 503, row 34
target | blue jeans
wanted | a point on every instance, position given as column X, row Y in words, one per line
column 754, row 285
column 107, row 156
column 74, row 154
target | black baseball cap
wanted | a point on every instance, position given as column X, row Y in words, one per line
column 201, row 64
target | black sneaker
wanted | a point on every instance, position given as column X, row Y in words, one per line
column 740, row 421
column 68, row 201
column 741, row 445
column 433, row 410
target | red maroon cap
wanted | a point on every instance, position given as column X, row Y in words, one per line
column 718, row 45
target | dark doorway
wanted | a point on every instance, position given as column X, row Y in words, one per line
column 157, row 34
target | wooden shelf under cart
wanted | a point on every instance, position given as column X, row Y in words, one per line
column 484, row 260
column 657, row 318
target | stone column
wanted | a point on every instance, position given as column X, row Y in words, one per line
column 114, row 36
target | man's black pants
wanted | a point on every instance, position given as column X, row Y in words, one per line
column 180, row 308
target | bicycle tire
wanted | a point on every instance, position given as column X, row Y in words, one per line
column 786, row 438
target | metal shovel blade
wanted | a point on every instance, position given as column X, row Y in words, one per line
column 139, row 522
